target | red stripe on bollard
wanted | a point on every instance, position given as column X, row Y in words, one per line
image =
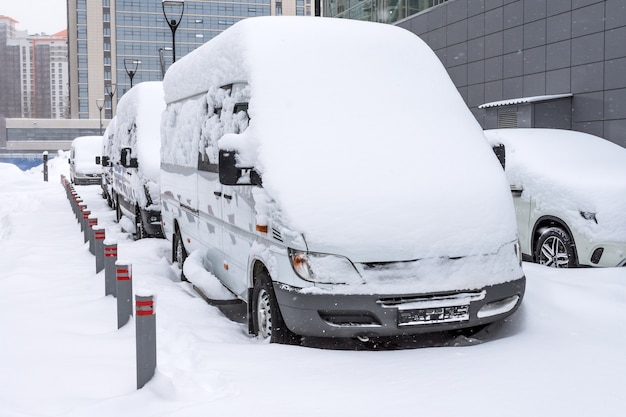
column 144, row 308
column 123, row 274
column 93, row 222
column 86, row 214
column 99, row 234
column 110, row 251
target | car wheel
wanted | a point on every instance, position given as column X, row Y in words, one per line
column 268, row 322
column 179, row 253
column 555, row 248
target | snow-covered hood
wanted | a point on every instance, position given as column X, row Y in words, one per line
column 569, row 172
column 363, row 142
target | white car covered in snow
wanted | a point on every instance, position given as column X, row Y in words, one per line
column 334, row 207
column 83, row 167
column 135, row 155
column 107, row 164
column 569, row 191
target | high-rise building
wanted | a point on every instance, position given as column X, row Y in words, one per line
column 116, row 43
column 34, row 77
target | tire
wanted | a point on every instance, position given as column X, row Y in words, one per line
column 118, row 210
column 555, row 248
column 179, row 253
column 267, row 320
column 140, row 230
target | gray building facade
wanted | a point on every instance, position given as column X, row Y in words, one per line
column 534, row 63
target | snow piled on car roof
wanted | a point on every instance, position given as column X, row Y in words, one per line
column 568, row 172
column 360, row 136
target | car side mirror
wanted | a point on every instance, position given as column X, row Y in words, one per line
column 98, row 160
column 106, row 161
column 127, row 160
column 500, row 152
column 231, row 174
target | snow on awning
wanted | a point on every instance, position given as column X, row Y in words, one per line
column 523, row 100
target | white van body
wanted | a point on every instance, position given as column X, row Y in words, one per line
column 106, row 162
column 83, row 167
column 378, row 208
column 135, row 151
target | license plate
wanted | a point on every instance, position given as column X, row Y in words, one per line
column 433, row 315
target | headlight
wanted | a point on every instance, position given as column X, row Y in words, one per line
column 587, row 215
column 323, row 268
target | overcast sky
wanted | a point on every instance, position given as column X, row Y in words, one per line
column 37, row 16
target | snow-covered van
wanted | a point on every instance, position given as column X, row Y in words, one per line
column 106, row 161
column 135, row 156
column 328, row 173
column 83, row 167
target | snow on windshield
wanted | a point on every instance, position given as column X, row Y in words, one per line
column 568, row 172
column 361, row 138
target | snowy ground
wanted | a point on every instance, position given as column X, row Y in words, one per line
column 561, row 354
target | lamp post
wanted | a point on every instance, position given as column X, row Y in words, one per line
column 131, row 65
column 162, row 60
column 173, row 12
column 100, row 105
column 110, row 91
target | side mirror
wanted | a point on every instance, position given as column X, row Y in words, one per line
column 500, row 152
column 126, row 159
column 98, row 160
column 231, row 174
column 105, row 161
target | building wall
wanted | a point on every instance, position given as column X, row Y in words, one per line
column 103, row 34
column 10, row 91
column 504, row 49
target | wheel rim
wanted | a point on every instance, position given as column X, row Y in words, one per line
column 554, row 253
column 264, row 315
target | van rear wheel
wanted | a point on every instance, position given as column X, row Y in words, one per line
column 179, row 253
column 268, row 322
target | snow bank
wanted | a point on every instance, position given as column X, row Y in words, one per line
column 567, row 172
column 361, row 138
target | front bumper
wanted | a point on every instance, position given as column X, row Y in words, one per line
column 341, row 315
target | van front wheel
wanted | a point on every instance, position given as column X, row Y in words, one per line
column 268, row 322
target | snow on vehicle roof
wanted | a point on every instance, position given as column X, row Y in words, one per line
column 86, row 148
column 361, row 136
column 567, row 172
column 140, row 110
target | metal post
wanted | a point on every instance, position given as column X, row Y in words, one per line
column 91, row 222
column 98, row 237
column 110, row 258
column 145, row 336
column 45, row 166
column 84, row 220
column 124, row 292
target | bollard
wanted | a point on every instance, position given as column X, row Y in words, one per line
column 124, row 293
column 145, row 339
column 98, row 244
column 110, row 257
column 84, row 215
column 45, row 166
column 91, row 222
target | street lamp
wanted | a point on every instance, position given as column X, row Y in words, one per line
column 100, row 105
column 131, row 65
column 173, row 15
column 162, row 60
column 110, row 91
